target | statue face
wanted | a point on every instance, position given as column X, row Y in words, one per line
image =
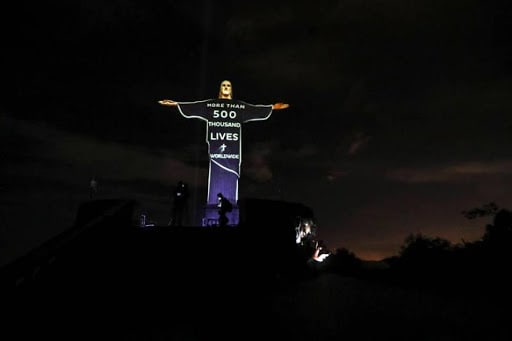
column 226, row 91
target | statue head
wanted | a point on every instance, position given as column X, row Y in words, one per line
column 226, row 90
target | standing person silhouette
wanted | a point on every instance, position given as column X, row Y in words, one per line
column 93, row 187
column 224, row 206
column 179, row 204
column 224, row 117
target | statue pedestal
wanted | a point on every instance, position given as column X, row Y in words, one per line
column 211, row 216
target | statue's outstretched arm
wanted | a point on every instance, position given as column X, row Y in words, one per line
column 278, row 106
column 168, row 102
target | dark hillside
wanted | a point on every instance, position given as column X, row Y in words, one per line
column 111, row 279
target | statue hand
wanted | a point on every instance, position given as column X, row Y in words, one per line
column 168, row 102
column 279, row 106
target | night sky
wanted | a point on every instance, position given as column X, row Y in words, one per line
column 399, row 118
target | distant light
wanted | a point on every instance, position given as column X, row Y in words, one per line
column 322, row 257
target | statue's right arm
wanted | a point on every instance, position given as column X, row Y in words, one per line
column 168, row 102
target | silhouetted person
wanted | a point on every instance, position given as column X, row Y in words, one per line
column 93, row 187
column 305, row 232
column 224, row 206
column 320, row 253
column 180, row 204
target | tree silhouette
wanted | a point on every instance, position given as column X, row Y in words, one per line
column 344, row 261
column 497, row 238
column 418, row 246
column 484, row 211
column 424, row 260
column 459, row 268
column 500, row 232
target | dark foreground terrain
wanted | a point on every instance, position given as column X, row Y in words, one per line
column 111, row 280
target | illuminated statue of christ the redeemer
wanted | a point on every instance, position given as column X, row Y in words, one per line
column 224, row 118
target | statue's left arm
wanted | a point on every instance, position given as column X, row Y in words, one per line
column 260, row 112
column 278, row 106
